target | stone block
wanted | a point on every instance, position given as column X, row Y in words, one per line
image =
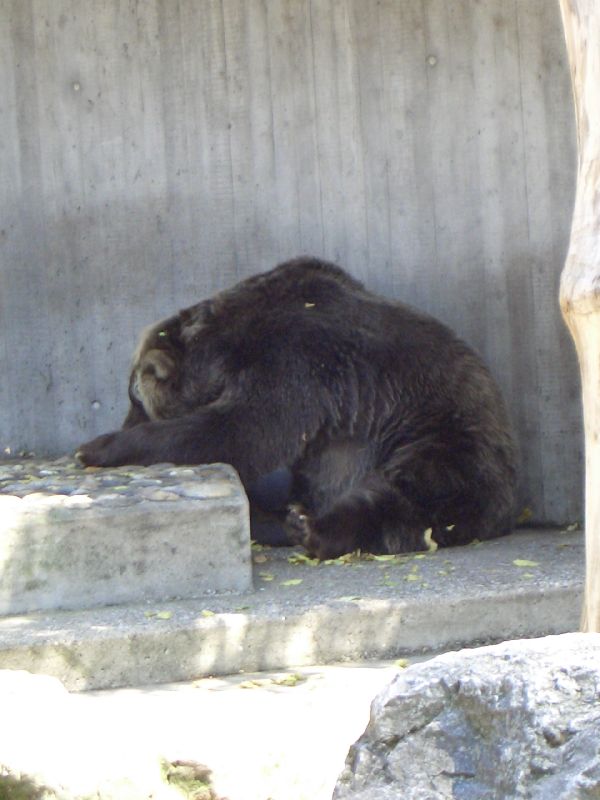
column 76, row 538
column 515, row 720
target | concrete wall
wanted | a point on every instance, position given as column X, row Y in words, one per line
column 153, row 152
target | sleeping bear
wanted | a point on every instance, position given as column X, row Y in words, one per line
column 390, row 428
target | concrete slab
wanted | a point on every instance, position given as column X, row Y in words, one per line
column 528, row 584
column 74, row 538
column 283, row 736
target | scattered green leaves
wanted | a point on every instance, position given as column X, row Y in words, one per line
column 402, row 663
column 393, row 559
column 291, row 582
column 347, row 558
column 525, row 562
column 302, row 558
column 524, row 516
column 430, row 542
column 266, row 576
column 290, row 680
column 263, row 683
column 189, row 778
column 159, row 614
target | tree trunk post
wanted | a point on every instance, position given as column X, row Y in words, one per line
column 580, row 279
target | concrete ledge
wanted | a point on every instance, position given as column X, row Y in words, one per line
column 74, row 538
column 526, row 585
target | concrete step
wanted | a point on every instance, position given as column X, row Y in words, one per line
column 74, row 538
column 528, row 584
column 283, row 735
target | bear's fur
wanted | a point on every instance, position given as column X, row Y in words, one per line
column 389, row 424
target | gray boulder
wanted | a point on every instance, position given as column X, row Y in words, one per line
column 515, row 720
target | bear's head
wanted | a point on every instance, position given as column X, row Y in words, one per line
column 155, row 379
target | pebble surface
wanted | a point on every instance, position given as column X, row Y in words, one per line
column 65, row 482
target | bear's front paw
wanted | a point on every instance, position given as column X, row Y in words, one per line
column 99, row 452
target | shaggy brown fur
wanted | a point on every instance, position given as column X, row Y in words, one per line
column 389, row 424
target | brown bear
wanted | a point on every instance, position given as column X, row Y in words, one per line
column 390, row 427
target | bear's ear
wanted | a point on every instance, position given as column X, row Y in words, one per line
column 199, row 314
column 194, row 318
column 185, row 315
column 209, row 309
column 158, row 364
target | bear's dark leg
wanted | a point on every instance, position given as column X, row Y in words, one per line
column 378, row 517
column 269, row 497
column 373, row 516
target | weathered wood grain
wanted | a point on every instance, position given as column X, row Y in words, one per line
column 579, row 295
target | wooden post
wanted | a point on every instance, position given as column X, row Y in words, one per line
column 580, row 280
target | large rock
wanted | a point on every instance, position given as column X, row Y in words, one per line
column 516, row 720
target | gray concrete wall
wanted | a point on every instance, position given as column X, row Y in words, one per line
column 154, row 152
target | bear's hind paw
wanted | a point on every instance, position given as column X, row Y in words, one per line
column 298, row 526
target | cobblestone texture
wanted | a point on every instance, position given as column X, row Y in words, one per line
column 75, row 538
column 65, row 482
